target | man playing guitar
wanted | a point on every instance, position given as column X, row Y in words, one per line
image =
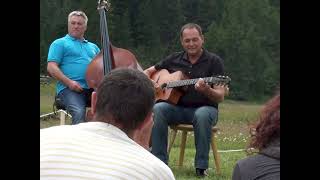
column 197, row 104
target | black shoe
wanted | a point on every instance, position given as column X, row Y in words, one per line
column 201, row 172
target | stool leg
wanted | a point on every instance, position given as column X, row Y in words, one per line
column 182, row 147
column 62, row 118
column 173, row 137
column 215, row 153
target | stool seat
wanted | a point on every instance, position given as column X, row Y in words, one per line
column 189, row 127
column 185, row 128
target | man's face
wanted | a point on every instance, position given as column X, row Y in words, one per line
column 192, row 41
column 77, row 27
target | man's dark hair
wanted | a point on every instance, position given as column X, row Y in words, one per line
column 125, row 96
column 189, row 26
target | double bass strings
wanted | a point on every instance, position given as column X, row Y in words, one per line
column 105, row 41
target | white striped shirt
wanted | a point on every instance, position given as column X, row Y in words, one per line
column 96, row 150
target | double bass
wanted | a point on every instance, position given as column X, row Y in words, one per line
column 110, row 57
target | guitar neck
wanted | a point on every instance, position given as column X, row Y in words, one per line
column 189, row 82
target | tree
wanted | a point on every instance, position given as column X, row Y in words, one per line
column 190, row 9
column 210, row 12
column 248, row 40
column 245, row 33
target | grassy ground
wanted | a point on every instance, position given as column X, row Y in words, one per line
column 234, row 117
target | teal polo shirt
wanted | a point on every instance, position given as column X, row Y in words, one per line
column 73, row 57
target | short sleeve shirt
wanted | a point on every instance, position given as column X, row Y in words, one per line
column 208, row 65
column 73, row 57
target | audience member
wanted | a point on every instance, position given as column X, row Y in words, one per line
column 266, row 140
column 105, row 147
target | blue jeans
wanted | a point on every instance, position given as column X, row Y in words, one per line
column 75, row 103
column 202, row 119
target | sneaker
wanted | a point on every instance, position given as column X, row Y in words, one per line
column 201, row 172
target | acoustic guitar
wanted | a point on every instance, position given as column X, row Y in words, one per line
column 169, row 82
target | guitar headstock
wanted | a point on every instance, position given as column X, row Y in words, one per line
column 222, row 80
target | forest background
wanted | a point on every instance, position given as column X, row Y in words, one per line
column 244, row 33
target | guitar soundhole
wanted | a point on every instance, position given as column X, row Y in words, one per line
column 164, row 85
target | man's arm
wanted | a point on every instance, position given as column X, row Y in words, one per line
column 54, row 71
column 150, row 71
column 215, row 93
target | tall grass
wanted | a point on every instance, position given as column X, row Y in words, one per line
column 234, row 118
column 47, row 92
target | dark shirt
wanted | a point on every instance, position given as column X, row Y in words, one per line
column 263, row 166
column 209, row 64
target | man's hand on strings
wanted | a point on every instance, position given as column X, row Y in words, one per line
column 201, row 86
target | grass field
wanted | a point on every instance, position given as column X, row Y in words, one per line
column 234, row 118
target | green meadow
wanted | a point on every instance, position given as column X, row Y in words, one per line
column 234, row 120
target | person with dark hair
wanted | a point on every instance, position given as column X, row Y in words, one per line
column 68, row 59
column 198, row 104
column 266, row 140
column 113, row 144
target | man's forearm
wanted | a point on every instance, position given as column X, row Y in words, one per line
column 150, row 71
column 55, row 72
column 215, row 95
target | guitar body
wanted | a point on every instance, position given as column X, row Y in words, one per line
column 169, row 82
column 170, row 95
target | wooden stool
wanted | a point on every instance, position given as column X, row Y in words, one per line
column 185, row 128
column 63, row 117
column 63, row 114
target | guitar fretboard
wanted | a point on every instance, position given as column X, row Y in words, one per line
column 187, row 82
